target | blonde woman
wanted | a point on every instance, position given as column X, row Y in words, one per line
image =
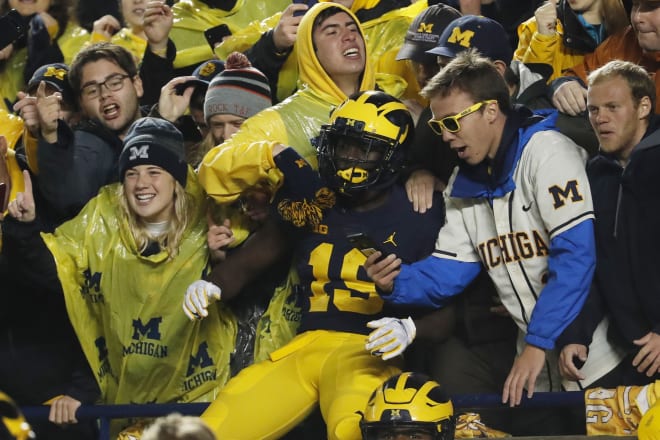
column 125, row 260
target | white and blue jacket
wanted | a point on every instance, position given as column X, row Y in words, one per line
column 527, row 217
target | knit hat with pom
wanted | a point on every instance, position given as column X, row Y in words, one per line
column 239, row 90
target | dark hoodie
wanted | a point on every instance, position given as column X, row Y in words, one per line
column 627, row 279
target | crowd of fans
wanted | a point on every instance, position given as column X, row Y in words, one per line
column 277, row 207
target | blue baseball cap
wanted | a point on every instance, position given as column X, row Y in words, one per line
column 54, row 75
column 484, row 34
column 205, row 72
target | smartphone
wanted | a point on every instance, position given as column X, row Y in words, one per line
column 12, row 27
column 215, row 34
column 309, row 4
column 365, row 244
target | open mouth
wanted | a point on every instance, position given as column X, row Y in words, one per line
column 144, row 198
column 110, row 110
column 353, row 52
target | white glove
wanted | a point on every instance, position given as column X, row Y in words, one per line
column 199, row 296
column 391, row 337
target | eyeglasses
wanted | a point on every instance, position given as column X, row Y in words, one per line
column 114, row 83
column 450, row 123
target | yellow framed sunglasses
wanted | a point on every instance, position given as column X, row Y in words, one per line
column 450, row 123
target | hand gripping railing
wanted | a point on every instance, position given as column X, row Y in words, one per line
column 105, row 413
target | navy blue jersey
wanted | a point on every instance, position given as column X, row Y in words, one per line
column 337, row 294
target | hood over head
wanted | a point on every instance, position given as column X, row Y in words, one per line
column 311, row 72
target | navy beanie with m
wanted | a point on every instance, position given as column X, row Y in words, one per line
column 154, row 141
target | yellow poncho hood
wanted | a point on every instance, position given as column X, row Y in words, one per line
column 311, row 72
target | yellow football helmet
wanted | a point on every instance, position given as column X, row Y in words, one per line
column 366, row 142
column 410, row 401
column 13, row 426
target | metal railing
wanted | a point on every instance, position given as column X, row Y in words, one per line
column 105, row 413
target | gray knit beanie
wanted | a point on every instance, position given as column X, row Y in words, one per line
column 154, row 141
column 239, row 90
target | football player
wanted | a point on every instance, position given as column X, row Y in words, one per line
column 361, row 153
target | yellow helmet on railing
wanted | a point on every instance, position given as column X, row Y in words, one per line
column 13, row 426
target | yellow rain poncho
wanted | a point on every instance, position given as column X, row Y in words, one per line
column 12, row 129
column 127, row 309
column 193, row 17
column 125, row 38
column 384, row 36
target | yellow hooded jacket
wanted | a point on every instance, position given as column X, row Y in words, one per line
column 126, row 308
column 534, row 47
column 246, row 158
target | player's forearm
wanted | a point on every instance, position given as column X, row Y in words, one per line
column 261, row 250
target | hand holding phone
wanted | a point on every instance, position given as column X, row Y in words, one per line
column 382, row 277
column 216, row 34
column 579, row 363
column 365, row 244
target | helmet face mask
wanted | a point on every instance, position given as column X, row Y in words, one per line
column 365, row 144
column 356, row 162
column 409, row 403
